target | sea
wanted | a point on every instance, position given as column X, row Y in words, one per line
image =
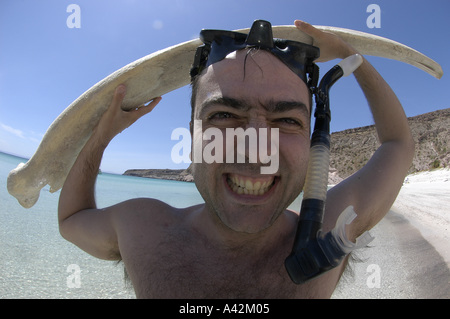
column 37, row 263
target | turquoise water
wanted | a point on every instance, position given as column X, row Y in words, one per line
column 36, row 262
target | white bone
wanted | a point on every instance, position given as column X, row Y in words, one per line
column 149, row 77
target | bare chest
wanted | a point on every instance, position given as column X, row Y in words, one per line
column 183, row 269
column 188, row 277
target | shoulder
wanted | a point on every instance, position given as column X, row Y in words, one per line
column 142, row 224
column 140, row 209
column 144, row 214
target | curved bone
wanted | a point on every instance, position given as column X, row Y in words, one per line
column 369, row 44
column 151, row 76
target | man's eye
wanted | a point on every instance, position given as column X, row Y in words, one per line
column 220, row 116
column 289, row 121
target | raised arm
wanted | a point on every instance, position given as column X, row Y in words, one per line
column 79, row 219
column 373, row 189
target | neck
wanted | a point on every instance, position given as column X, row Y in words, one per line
column 223, row 238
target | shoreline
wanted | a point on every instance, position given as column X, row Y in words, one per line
column 424, row 200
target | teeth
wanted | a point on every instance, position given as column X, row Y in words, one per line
column 241, row 186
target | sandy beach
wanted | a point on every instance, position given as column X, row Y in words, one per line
column 410, row 252
column 425, row 201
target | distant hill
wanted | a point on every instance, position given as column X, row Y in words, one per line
column 170, row 174
column 352, row 148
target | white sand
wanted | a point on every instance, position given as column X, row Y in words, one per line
column 425, row 201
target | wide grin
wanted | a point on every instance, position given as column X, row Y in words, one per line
column 250, row 186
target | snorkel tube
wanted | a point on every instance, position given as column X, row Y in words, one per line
column 313, row 252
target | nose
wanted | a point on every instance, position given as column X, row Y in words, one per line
column 258, row 143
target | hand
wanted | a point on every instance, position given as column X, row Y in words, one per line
column 115, row 120
column 331, row 46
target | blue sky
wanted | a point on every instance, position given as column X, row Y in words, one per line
column 44, row 65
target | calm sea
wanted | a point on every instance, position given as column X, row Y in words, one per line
column 36, row 262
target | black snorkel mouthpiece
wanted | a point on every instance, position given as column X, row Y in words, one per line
column 313, row 252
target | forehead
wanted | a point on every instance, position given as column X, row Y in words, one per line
column 254, row 76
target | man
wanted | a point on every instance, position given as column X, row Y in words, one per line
column 234, row 245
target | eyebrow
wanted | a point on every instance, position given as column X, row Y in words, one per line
column 225, row 101
column 284, row 106
column 242, row 105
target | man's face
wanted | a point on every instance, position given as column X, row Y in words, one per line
column 252, row 92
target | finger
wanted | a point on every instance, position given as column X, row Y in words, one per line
column 154, row 103
column 147, row 107
column 306, row 28
column 119, row 95
column 143, row 109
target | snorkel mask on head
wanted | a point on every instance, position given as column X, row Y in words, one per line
column 313, row 252
column 218, row 44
